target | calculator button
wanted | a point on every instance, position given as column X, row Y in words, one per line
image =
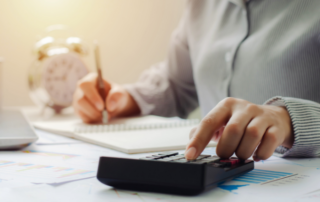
column 181, row 161
column 157, row 156
column 203, row 156
column 147, row 159
column 153, row 157
column 213, row 157
column 168, row 153
column 164, row 159
column 172, row 158
column 150, row 157
column 176, row 158
column 198, row 162
column 219, row 165
column 231, row 161
column 209, row 160
column 223, row 163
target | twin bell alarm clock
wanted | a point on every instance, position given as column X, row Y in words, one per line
column 57, row 68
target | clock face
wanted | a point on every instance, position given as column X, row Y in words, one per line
column 61, row 73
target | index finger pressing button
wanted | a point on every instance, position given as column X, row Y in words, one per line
column 207, row 128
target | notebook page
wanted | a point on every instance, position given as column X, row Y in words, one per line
column 67, row 127
column 138, row 141
column 157, row 133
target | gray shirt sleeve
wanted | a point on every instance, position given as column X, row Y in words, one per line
column 167, row 88
column 305, row 118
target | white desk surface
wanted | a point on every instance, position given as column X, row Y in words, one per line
column 304, row 186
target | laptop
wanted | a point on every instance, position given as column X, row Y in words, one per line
column 15, row 131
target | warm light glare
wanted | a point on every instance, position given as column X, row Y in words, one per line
column 72, row 40
column 56, row 51
column 45, row 40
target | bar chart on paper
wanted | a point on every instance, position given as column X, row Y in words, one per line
column 262, row 177
column 54, row 167
column 50, row 154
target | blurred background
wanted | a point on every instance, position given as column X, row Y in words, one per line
column 132, row 35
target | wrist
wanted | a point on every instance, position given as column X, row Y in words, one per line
column 120, row 103
column 131, row 106
column 289, row 139
column 288, row 143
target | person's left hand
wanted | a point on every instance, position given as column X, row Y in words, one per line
column 243, row 128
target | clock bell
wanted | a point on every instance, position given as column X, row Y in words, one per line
column 57, row 68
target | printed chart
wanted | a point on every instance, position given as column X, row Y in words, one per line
column 54, row 167
column 50, row 154
column 258, row 176
column 41, row 173
column 280, row 183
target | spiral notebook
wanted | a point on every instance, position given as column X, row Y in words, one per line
column 129, row 135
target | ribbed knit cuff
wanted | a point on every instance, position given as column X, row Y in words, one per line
column 305, row 118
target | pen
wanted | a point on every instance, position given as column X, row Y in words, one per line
column 100, row 84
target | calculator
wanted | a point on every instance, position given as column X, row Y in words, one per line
column 170, row 172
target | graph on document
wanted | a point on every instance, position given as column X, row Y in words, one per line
column 50, row 154
column 45, row 167
column 71, row 159
column 262, row 177
column 38, row 173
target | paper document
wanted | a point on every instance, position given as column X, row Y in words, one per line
column 276, row 179
column 45, row 167
column 283, row 177
column 46, row 138
column 226, row 192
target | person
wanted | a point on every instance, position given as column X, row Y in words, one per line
column 252, row 66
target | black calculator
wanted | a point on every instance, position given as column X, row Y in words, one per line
column 170, row 172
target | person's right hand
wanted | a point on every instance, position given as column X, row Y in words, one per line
column 88, row 104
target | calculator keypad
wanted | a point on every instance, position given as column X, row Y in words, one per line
column 201, row 159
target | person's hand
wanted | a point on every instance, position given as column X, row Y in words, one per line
column 88, row 104
column 242, row 128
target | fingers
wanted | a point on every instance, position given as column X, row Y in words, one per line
column 87, row 101
column 233, row 133
column 252, row 137
column 88, row 87
column 78, row 96
column 192, row 132
column 216, row 137
column 269, row 143
column 84, row 117
column 87, row 112
column 207, row 128
column 247, row 126
column 90, row 111
column 92, row 96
